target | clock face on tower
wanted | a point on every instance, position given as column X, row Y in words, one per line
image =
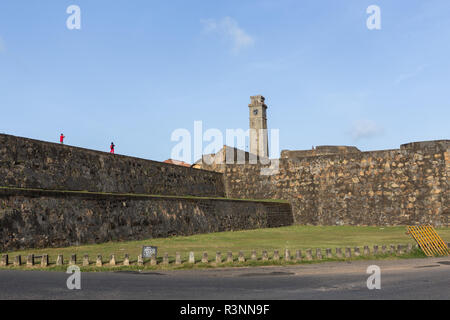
column 255, row 112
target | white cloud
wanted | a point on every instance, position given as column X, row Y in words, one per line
column 229, row 29
column 409, row 75
column 365, row 129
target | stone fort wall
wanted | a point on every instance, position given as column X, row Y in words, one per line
column 29, row 163
column 59, row 195
column 328, row 186
column 409, row 185
column 37, row 219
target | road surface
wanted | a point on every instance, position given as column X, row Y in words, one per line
column 400, row 279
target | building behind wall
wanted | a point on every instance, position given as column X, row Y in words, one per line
column 337, row 185
column 409, row 185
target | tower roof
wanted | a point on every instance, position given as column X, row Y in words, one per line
column 257, row 100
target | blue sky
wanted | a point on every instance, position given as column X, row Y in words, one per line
column 138, row 70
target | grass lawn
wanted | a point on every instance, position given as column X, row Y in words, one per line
column 292, row 237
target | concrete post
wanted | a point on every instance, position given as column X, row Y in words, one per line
column 375, row 249
column 357, row 252
column 348, row 252
column 319, row 254
column 298, row 255
column 399, row 249
column 366, row 251
column 44, row 261
column 60, row 260
column 253, row 256
column 205, row 257
column 329, row 253
column 165, row 259
column 241, row 257
column 140, row 260
column 99, row 261
column 276, row 255
column 177, row 258
column 218, row 257
column 17, row 261
column 30, row 260
column 4, row 261
column 126, row 260
column 153, row 260
column 191, row 257
column 409, row 248
column 112, row 261
column 383, row 249
column 339, row 253
column 85, row 260
column 287, row 255
column 392, row 251
column 265, row 256
column 73, row 259
column 309, row 254
column 230, row 256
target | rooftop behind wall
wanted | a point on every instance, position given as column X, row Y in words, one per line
column 29, row 163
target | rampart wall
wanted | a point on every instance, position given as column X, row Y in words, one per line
column 409, row 185
column 40, row 218
column 29, row 163
column 59, row 195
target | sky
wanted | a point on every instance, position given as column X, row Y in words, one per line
column 137, row 71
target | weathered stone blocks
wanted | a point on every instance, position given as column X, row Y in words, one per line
column 17, row 261
column 60, row 260
column 4, row 260
column 44, row 260
column 99, row 261
column 126, row 260
column 309, row 256
column 205, row 257
column 29, row 163
column 85, row 260
column 56, row 219
column 407, row 186
column 218, row 257
column 319, row 254
column 287, row 255
column 276, row 255
column 241, row 257
column 191, row 257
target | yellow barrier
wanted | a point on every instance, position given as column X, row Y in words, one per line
column 428, row 240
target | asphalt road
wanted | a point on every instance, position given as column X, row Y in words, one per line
column 400, row 279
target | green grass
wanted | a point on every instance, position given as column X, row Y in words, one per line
column 293, row 238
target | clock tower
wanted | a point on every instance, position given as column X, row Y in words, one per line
column 258, row 127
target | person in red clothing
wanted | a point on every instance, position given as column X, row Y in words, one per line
column 61, row 138
column 112, row 147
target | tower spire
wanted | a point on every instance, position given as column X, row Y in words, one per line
column 258, row 127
